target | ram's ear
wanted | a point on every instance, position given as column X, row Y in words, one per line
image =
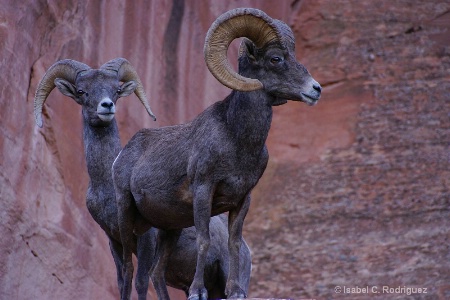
column 67, row 89
column 247, row 49
column 127, row 88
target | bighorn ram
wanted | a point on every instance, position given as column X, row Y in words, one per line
column 97, row 91
column 177, row 176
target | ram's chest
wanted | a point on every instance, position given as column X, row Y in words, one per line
column 101, row 205
column 233, row 189
column 239, row 178
column 238, row 185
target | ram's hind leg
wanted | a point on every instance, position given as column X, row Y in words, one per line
column 145, row 259
column 166, row 243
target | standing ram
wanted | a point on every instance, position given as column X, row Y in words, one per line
column 97, row 91
column 178, row 176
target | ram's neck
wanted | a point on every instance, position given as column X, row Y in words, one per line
column 101, row 146
column 249, row 116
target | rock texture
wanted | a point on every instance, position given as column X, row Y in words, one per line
column 357, row 190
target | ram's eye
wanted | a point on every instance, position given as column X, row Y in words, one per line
column 81, row 92
column 119, row 90
column 276, row 59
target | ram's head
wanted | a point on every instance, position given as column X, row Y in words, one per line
column 96, row 90
column 266, row 56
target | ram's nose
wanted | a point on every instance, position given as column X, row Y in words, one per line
column 317, row 87
column 106, row 106
column 106, row 103
column 106, row 110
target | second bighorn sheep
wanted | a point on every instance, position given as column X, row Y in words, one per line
column 178, row 176
column 97, row 91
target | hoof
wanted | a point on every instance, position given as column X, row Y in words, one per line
column 236, row 294
column 200, row 294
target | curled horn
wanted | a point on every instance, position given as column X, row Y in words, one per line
column 126, row 72
column 67, row 69
column 251, row 23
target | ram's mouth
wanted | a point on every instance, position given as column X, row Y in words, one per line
column 308, row 99
column 106, row 116
column 281, row 98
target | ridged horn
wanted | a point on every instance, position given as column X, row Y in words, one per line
column 126, row 72
column 67, row 69
column 251, row 23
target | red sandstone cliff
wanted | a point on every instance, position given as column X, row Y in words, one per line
column 357, row 190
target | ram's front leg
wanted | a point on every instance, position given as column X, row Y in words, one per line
column 117, row 253
column 235, row 223
column 202, row 215
column 126, row 216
